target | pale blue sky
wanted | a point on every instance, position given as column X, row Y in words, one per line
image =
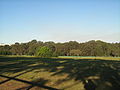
column 59, row 20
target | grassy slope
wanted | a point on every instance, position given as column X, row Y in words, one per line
column 83, row 73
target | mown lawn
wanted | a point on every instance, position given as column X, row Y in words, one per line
column 34, row 73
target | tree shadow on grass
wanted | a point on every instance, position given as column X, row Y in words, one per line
column 39, row 82
column 95, row 74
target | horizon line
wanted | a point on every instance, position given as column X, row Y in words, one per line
column 20, row 42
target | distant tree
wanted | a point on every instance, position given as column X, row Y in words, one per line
column 90, row 48
column 44, row 52
column 32, row 46
column 75, row 52
column 16, row 49
column 59, row 49
column 50, row 45
column 5, row 50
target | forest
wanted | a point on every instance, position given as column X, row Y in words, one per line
column 71, row 48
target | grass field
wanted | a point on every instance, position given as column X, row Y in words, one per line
column 66, row 73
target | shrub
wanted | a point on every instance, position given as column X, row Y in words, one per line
column 44, row 52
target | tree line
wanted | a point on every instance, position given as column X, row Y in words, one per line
column 71, row 48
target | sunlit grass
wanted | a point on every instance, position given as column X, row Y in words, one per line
column 77, row 57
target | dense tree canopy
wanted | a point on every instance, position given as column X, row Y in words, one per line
column 71, row 48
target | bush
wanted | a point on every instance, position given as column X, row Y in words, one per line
column 44, row 52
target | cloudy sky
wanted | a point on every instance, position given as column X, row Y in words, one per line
column 59, row 20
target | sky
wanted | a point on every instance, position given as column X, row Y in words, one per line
column 59, row 20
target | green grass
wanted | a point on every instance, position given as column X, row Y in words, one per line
column 68, row 73
column 90, row 57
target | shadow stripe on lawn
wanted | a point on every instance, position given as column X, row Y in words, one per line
column 24, row 81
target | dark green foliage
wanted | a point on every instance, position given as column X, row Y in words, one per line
column 5, row 50
column 90, row 48
column 75, row 52
column 5, row 53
